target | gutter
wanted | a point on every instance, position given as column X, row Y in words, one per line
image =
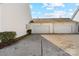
column 74, row 14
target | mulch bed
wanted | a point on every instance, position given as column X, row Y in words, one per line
column 11, row 42
column 5, row 44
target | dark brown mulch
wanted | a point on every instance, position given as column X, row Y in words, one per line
column 11, row 42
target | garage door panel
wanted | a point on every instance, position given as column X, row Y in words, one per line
column 41, row 28
column 62, row 28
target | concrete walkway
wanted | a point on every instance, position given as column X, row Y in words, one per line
column 33, row 45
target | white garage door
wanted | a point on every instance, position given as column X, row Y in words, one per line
column 53, row 28
column 62, row 28
column 40, row 28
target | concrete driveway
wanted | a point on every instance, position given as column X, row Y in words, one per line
column 67, row 42
column 40, row 45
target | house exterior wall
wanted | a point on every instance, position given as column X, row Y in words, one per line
column 15, row 17
column 66, row 27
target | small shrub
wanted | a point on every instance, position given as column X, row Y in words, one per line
column 6, row 36
column 29, row 31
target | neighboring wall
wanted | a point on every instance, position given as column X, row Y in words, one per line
column 14, row 17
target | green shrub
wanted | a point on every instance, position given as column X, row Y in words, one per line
column 6, row 36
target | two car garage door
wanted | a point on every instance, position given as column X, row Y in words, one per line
column 53, row 27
